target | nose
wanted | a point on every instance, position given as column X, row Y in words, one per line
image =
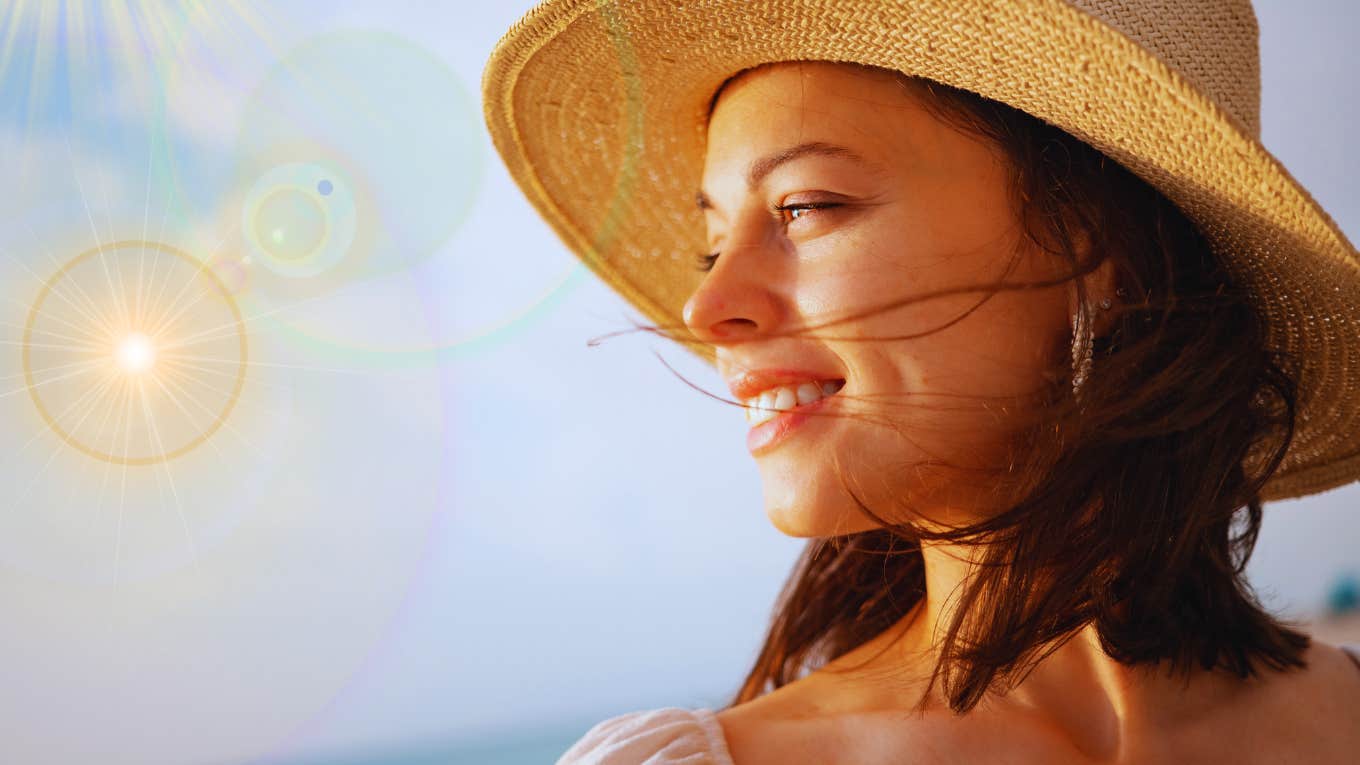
column 737, row 301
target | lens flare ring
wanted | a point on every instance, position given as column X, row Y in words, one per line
column 299, row 218
column 133, row 345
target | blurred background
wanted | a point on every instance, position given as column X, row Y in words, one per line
column 381, row 503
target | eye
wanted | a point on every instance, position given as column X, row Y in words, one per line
column 706, row 261
column 800, row 210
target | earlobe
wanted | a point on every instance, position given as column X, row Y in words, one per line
column 1103, row 292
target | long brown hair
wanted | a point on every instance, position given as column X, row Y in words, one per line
column 1134, row 508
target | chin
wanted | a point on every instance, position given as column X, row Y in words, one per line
column 805, row 504
column 792, row 523
column 803, row 512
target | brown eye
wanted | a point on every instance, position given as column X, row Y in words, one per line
column 796, row 211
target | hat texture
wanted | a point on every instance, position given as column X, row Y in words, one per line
column 599, row 109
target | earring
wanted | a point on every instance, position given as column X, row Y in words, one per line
column 1082, row 352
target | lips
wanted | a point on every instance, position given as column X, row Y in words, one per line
column 778, row 427
column 751, row 384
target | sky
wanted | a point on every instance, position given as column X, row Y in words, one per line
column 393, row 497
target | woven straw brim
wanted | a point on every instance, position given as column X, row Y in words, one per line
column 599, row 110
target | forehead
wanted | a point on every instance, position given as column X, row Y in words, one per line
column 879, row 116
column 823, row 77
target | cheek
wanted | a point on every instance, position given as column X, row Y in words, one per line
column 970, row 341
column 1003, row 348
column 948, row 397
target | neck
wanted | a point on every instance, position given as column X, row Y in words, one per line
column 1078, row 689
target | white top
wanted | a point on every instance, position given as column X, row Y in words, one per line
column 669, row 736
column 674, row 736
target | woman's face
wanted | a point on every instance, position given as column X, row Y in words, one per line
column 882, row 202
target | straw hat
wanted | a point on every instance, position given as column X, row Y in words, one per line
column 599, row 108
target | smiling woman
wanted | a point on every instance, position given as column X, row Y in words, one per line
column 1025, row 392
column 896, row 233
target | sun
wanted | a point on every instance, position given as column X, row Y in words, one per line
column 135, row 354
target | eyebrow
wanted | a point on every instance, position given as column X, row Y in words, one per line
column 762, row 167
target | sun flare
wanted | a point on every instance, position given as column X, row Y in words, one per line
column 136, row 353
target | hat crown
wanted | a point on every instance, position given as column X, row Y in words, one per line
column 1212, row 43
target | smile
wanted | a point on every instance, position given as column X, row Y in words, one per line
column 785, row 398
column 777, row 412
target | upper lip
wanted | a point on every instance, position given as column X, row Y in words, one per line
column 751, row 383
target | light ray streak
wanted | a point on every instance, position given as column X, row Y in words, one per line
column 56, row 449
column 224, row 328
column 53, row 369
column 36, row 386
column 11, row 25
column 113, row 230
column 122, row 497
column 211, row 416
column 99, row 244
column 91, row 341
column 146, row 214
column 95, row 318
column 117, row 405
column 169, row 477
column 272, row 365
column 88, row 392
column 203, row 265
column 126, row 25
column 83, row 329
column 207, row 411
column 189, row 280
column 175, row 376
column 38, row 58
column 257, row 24
column 160, row 237
column 209, row 370
column 98, row 436
column 22, row 344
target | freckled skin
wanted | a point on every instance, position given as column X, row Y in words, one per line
column 927, row 210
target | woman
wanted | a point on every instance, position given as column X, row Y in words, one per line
column 1027, row 324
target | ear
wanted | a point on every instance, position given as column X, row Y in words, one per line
column 1100, row 285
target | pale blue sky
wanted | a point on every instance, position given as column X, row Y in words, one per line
column 439, row 515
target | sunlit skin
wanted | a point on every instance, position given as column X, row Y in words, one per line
column 920, row 207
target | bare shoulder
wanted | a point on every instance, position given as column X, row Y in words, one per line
column 751, row 731
column 1310, row 714
column 792, row 725
column 809, row 722
column 1328, row 688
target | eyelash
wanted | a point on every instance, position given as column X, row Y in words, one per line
column 706, row 262
column 779, row 210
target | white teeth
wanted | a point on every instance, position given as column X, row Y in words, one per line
column 770, row 403
column 766, row 400
column 807, row 393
